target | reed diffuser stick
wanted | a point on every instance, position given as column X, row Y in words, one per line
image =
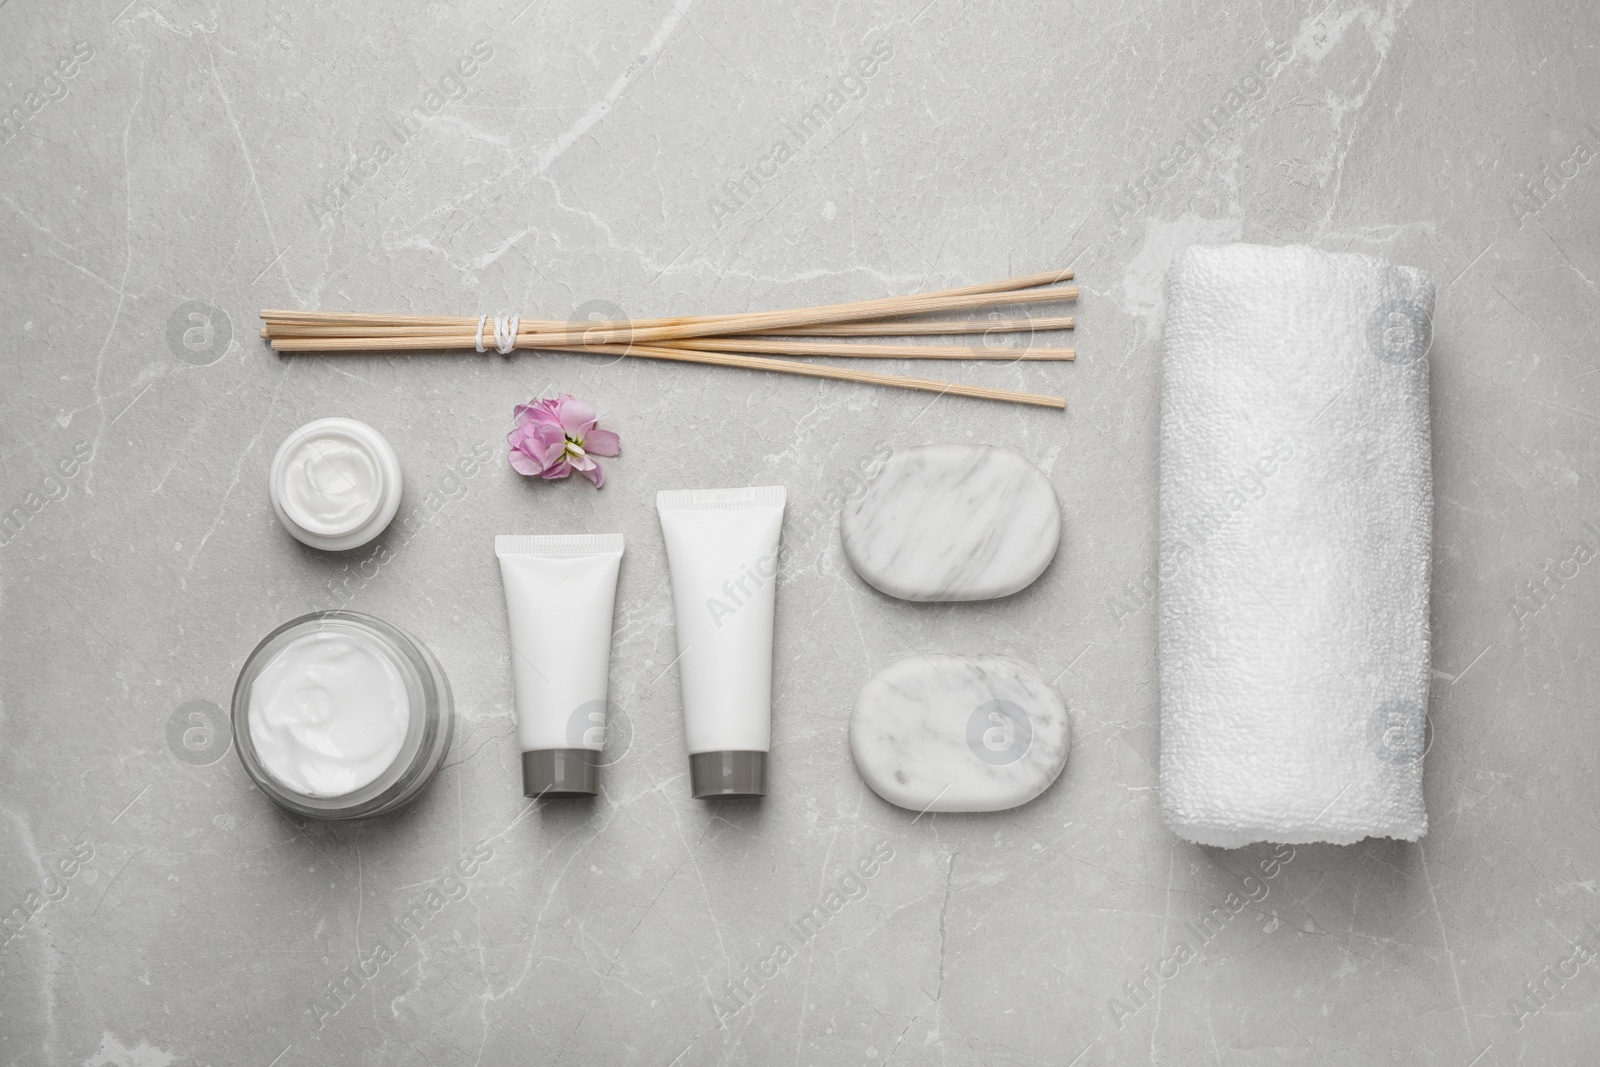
column 725, row 340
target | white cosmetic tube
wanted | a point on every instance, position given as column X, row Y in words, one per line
column 561, row 590
column 722, row 553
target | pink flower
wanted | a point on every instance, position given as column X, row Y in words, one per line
column 555, row 437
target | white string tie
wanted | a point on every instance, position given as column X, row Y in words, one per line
column 505, row 333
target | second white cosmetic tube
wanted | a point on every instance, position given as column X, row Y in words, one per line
column 722, row 553
column 561, row 590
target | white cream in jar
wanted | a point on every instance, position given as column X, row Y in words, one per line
column 338, row 715
column 328, row 713
column 335, row 484
column 331, row 482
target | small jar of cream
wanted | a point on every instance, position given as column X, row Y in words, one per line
column 335, row 484
column 338, row 715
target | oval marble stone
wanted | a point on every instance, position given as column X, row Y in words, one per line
column 959, row 733
column 952, row 522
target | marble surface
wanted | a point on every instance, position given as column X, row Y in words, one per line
column 205, row 161
column 949, row 522
column 942, row 732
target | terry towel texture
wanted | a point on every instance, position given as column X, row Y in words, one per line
column 1296, row 525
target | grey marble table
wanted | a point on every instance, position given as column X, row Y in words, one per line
column 169, row 167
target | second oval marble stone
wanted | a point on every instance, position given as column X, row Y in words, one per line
column 952, row 522
column 959, row 733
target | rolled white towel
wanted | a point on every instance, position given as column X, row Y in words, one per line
column 1296, row 526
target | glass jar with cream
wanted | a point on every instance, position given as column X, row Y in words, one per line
column 339, row 715
column 335, row 484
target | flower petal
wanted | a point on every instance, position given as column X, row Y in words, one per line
column 595, row 474
column 526, row 438
column 577, row 416
column 523, row 463
column 599, row 442
column 543, row 436
column 549, row 453
column 560, row 470
column 543, row 413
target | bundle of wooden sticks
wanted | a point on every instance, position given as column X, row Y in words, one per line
column 720, row 339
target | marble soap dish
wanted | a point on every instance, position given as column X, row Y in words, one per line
column 952, row 522
column 959, row 733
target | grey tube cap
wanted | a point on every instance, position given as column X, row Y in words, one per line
column 560, row 772
column 728, row 774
